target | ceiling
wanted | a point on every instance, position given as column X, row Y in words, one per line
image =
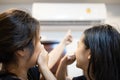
column 60, row 1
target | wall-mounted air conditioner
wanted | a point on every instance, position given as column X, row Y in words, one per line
column 69, row 13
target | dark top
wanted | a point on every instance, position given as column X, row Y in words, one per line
column 8, row 76
column 33, row 74
column 79, row 78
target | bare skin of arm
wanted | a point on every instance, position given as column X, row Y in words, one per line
column 56, row 53
column 43, row 65
column 61, row 71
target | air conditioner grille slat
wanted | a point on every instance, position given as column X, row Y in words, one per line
column 70, row 22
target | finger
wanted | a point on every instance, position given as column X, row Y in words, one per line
column 71, row 57
column 69, row 31
column 70, row 38
column 69, row 34
column 42, row 48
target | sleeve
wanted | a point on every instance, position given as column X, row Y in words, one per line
column 33, row 73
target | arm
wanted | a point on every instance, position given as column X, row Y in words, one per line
column 43, row 65
column 47, row 73
column 56, row 53
column 62, row 69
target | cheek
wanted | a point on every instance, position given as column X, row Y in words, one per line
column 37, row 50
column 79, row 53
column 80, row 58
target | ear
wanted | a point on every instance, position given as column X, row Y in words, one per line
column 20, row 53
column 89, row 55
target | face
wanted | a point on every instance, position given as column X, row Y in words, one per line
column 82, row 54
column 37, row 50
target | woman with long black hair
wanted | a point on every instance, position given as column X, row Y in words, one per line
column 97, row 54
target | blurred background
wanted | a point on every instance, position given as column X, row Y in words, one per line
column 57, row 16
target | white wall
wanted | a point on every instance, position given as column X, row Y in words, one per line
column 113, row 11
column 112, row 18
column 113, row 14
column 4, row 7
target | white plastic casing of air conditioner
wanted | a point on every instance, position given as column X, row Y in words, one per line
column 69, row 13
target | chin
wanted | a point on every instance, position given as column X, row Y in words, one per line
column 77, row 65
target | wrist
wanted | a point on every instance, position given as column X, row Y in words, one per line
column 63, row 64
column 42, row 67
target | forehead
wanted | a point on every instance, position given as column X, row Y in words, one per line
column 81, row 38
column 81, row 42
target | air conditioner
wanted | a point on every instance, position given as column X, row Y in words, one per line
column 69, row 13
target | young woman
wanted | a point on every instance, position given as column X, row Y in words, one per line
column 98, row 54
column 20, row 47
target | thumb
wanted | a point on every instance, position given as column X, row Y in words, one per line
column 71, row 57
column 42, row 48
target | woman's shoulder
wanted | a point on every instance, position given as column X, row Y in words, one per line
column 7, row 76
column 79, row 78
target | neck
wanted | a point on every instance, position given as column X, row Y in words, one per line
column 86, row 74
column 18, row 70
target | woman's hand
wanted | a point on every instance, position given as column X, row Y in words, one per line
column 68, row 59
column 68, row 38
column 62, row 68
column 43, row 65
column 43, row 58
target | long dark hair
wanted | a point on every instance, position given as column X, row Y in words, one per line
column 104, row 43
column 17, row 31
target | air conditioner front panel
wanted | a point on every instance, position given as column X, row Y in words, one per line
column 68, row 12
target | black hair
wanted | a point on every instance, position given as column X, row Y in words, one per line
column 104, row 43
column 17, row 31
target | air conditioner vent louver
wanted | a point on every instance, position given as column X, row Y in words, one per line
column 69, row 22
